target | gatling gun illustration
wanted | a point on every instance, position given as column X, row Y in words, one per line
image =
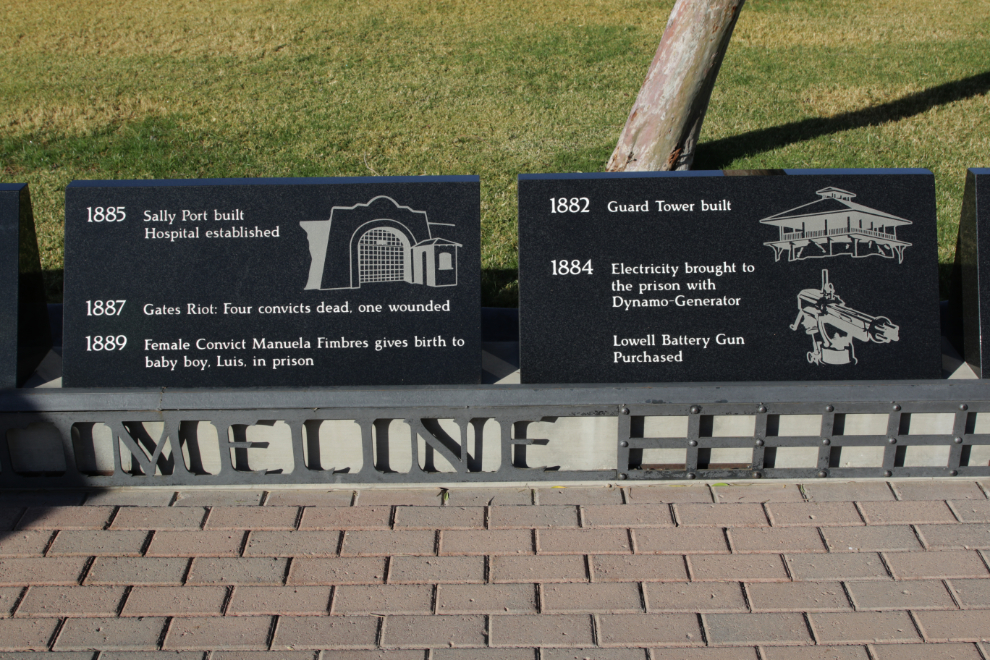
column 833, row 326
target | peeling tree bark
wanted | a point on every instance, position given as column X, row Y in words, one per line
column 663, row 127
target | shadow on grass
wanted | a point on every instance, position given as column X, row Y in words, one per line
column 719, row 154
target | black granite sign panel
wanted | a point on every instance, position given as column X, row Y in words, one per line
column 973, row 260
column 699, row 276
column 25, row 337
column 272, row 282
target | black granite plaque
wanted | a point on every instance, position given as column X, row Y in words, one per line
column 972, row 287
column 700, row 276
column 25, row 337
column 272, row 282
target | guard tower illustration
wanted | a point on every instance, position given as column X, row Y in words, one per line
column 380, row 241
column 833, row 326
column 834, row 225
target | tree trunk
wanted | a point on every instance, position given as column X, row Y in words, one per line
column 665, row 122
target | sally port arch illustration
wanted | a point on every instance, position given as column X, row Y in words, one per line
column 379, row 241
column 833, row 326
column 833, row 226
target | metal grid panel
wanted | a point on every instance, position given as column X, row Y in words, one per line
column 381, row 257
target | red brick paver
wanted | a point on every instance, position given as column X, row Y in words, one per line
column 159, row 518
column 342, row 517
column 124, row 634
column 955, row 537
column 66, row 517
column 487, row 599
column 813, row 514
column 71, row 601
column 782, row 628
column 448, row 517
column 766, row 539
column 196, row 544
column 175, row 601
column 532, row 517
column 748, row 568
column 86, row 543
column 487, row 542
column 254, row 517
column 436, row 631
column 917, row 595
column 26, row 634
column 25, row 544
column 370, row 570
column 436, row 570
column 388, row 599
column 204, row 633
column 890, row 513
column 972, row 593
column 538, row 569
column 725, row 515
column 665, row 494
column 554, row 630
column 583, row 541
column 294, row 601
column 582, row 597
column 35, row 571
column 798, row 597
column 638, row 568
column 210, row 570
column 371, row 544
column 971, row 511
column 695, row 597
column 867, row 539
column 336, row 632
column 292, row 544
column 863, row 627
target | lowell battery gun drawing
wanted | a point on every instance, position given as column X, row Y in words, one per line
column 833, row 326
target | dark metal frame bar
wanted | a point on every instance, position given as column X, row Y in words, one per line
column 514, row 408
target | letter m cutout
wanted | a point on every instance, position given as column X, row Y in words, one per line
column 146, row 451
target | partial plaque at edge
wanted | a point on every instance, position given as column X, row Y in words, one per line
column 25, row 335
column 973, row 262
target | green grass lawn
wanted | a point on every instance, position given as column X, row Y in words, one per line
column 231, row 88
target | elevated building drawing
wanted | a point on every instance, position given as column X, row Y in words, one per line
column 834, row 225
column 380, row 241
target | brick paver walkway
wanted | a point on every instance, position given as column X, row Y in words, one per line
column 860, row 570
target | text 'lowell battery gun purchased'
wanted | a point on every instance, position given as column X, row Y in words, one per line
column 833, row 326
